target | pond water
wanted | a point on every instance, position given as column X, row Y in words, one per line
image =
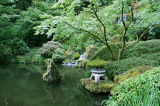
column 22, row 85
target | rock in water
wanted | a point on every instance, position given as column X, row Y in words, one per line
column 52, row 74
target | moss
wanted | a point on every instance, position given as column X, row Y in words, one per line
column 90, row 51
column 97, row 63
column 131, row 73
column 97, row 87
column 52, row 73
column 82, row 63
column 76, row 56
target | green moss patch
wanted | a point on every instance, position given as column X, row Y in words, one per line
column 98, row 87
column 97, row 63
column 76, row 56
column 131, row 73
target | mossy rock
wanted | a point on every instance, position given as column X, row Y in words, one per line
column 52, row 74
column 97, row 87
column 97, row 63
column 90, row 51
column 131, row 73
column 82, row 63
column 76, row 56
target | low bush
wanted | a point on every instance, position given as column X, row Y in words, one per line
column 103, row 53
column 82, row 63
column 119, row 67
column 131, row 73
column 49, row 47
column 143, row 90
column 19, row 47
column 58, row 55
column 90, row 51
column 141, row 48
column 33, row 57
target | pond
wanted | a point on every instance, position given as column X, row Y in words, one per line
column 22, row 85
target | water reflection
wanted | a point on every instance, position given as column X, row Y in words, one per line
column 22, row 85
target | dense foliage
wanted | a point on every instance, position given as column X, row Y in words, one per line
column 142, row 90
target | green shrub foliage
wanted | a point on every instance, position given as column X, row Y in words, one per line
column 58, row 55
column 141, row 48
column 48, row 48
column 142, row 90
column 119, row 67
column 33, row 57
column 19, row 47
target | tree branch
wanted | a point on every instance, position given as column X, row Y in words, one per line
column 104, row 27
column 138, row 39
column 83, row 30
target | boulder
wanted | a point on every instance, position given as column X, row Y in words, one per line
column 90, row 51
column 131, row 73
column 76, row 56
column 97, row 87
column 52, row 74
column 82, row 63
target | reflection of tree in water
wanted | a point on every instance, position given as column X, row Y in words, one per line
column 22, row 85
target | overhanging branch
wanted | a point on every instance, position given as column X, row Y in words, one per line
column 83, row 30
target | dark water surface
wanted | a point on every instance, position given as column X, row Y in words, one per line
column 22, row 85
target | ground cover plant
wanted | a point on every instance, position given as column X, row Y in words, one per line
column 142, row 90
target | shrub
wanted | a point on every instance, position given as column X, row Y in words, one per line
column 131, row 73
column 68, row 53
column 90, row 51
column 154, row 56
column 58, row 55
column 19, row 47
column 119, row 67
column 49, row 47
column 82, row 63
column 76, row 56
column 103, row 53
column 33, row 57
column 141, row 48
column 142, row 90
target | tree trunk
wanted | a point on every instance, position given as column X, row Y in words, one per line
column 109, row 48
